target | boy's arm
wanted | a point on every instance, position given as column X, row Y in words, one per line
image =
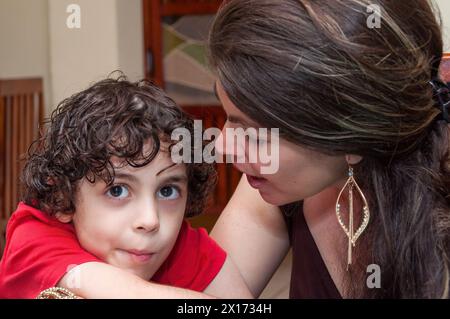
column 95, row 280
column 228, row 283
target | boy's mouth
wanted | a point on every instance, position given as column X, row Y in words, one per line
column 139, row 255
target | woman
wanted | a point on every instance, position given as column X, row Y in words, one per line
column 354, row 102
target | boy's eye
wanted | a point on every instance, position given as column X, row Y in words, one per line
column 168, row 192
column 118, row 191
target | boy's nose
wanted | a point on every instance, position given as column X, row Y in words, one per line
column 147, row 218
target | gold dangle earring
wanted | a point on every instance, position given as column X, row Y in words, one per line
column 349, row 231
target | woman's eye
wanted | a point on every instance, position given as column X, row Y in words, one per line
column 118, row 192
column 168, row 192
column 252, row 135
column 253, row 138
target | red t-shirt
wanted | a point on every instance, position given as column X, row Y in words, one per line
column 39, row 249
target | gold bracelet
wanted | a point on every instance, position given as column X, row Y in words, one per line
column 56, row 293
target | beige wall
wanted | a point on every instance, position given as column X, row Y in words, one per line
column 35, row 41
column 80, row 56
column 131, row 37
column 444, row 7
column 110, row 38
column 24, row 41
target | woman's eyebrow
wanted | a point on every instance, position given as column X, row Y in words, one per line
column 237, row 120
column 232, row 118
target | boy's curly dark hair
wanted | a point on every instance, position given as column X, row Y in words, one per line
column 113, row 117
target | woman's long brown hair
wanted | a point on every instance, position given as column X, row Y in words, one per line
column 334, row 83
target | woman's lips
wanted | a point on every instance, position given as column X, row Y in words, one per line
column 255, row 182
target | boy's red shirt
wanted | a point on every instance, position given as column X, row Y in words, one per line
column 40, row 250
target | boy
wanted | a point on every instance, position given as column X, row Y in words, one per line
column 103, row 198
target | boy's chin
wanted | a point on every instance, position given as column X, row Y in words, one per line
column 146, row 275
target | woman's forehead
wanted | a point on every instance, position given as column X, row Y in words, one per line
column 234, row 115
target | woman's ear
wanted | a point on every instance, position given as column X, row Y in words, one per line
column 353, row 159
column 64, row 218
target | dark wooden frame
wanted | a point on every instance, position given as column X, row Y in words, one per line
column 154, row 11
column 445, row 68
column 21, row 113
column 211, row 115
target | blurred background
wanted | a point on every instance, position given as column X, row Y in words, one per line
column 50, row 49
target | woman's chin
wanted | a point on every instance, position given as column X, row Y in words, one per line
column 275, row 199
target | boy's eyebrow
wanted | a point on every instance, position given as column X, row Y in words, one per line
column 176, row 178
column 129, row 177
column 171, row 165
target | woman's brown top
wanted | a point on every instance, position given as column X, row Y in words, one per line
column 310, row 277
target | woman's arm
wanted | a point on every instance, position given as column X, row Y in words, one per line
column 228, row 283
column 254, row 234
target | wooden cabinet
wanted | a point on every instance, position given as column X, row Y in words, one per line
column 21, row 112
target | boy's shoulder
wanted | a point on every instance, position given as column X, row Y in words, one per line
column 194, row 262
column 39, row 250
column 193, row 241
column 28, row 224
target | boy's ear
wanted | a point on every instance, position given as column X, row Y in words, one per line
column 64, row 218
